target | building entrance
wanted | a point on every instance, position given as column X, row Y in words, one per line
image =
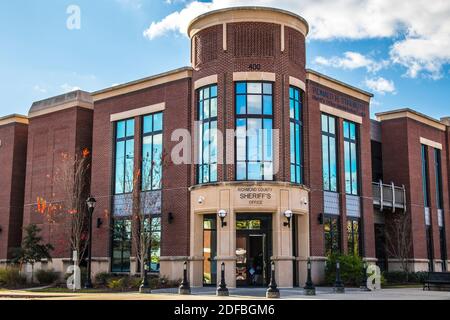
column 253, row 249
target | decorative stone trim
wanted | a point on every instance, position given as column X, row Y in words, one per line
column 431, row 143
column 254, row 76
column 297, row 83
column 341, row 114
column 203, row 82
column 138, row 112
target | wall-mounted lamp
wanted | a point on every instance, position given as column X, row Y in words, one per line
column 320, row 218
column 99, row 222
column 222, row 215
column 288, row 215
column 170, row 217
column 1, row 229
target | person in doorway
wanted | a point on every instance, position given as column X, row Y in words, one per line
column 258, row 266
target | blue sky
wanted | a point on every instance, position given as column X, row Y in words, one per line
column 403, row 63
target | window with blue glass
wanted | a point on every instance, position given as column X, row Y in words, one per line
column 121, row 245
column 124, row 156
column 295, row 115
column 329, row 157
column 438, row 172
column 152, row 150
column 425, row 177
column 254, row 131
column 153, row 228
column 350, row 158
column 440, row 206
column 207, row 117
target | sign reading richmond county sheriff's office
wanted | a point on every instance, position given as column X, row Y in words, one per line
column 255, row 195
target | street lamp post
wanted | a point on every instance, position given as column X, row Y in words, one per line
column 338, row 285
column 309, row 288
column 222, row 290
column 273, row 291
column 184, row 288
column 90, row 202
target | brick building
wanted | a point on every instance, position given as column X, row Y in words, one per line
column 243, row 158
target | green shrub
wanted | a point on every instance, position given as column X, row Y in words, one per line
column 402, row 277
column 102, row 278
column 351, row 269
column 118, row 284
column 46, row 276
column 10, row 277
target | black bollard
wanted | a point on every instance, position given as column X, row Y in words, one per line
column 184, row 288
column 222, row 290
column 338, row 285
column 363, row 286
column 145, row 287
column 273, row 292
column 310, row 289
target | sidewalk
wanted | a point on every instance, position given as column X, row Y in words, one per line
column 236, row 294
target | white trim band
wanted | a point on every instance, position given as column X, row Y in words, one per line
column 254, row 76
column 341, row 114
column 138, row 112
column 431, row 143
column 203, row 82
column 297, row 83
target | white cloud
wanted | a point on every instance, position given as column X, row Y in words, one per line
column 420, row 28
column 132, row 4
column 381, row 85
column 352, row 60
column 39, row 89
column 68, row 88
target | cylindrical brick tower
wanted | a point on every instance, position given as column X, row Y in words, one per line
column 249, row 73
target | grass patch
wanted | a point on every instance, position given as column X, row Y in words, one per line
column 402, row 286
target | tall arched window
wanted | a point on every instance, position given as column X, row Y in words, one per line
column 207, row 116
column 254, row 131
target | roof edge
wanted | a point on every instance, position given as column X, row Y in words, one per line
column 410, row 113
column 13, row 118
column 140, row 83
column 243, row 8
column 339, row 83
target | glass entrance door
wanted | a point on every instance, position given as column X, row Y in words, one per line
column 253, row 250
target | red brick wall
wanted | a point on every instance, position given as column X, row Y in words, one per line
column 317, row 94
column 12, row 157
column 175, row 195
column 68, row 131
column 402, row 164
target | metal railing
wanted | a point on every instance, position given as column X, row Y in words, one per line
column 389, row 196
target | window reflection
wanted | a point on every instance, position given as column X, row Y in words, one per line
column 350, row 158
column 254, row 131
column 207, row 115
column 152, row 152
column 332, row 235
column 295, row 112
column 329, row 158
column 124, row 161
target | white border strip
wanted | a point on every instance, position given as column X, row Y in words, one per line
column 138, row 112
column 203, row 82
column 341, row 114
column 254, row 76
column 297, row 83
column 431, row 143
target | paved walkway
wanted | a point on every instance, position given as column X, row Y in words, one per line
column 237, row 294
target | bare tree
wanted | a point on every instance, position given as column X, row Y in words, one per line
column 142, row 204
column 69, row 210
column 399, row 241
